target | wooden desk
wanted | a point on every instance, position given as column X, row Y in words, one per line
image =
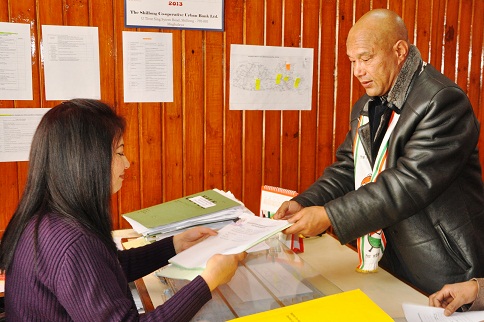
column 337, row 263
column 266, row 280
column 327, row 267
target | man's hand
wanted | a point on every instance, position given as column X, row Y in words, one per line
column 309, row 221
column 453, row 296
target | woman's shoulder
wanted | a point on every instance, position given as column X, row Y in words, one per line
column 59, row 233
column 57, row 225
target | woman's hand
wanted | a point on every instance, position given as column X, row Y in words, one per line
column 191, row 237
column 453, row 296
column 221, row 268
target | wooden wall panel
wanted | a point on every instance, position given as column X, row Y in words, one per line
column 233, row 170
column 290, row 119
column 214, row 110
column 76, row 12
column 344, row 76
column 252, row 126
column 409, row 15
column 196, row 142
column 450, row 36
column 150, row 148
column 272, row 119
column 307, row 150
column 128, row 199
column 464, row 33
column 327, row 86
column 423, row 27
column 172, row 136
column 437, row 34
column 193, row 112
column 102, row 16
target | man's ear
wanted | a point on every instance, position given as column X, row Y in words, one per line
column 401, row 50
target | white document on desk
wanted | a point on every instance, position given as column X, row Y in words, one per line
column 421, row 313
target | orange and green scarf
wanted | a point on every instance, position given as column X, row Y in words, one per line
column 372, row 245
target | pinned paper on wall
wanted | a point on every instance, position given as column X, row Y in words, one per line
column 15, row 65
column 71, row 62
column 17, row 128
column 148, row 66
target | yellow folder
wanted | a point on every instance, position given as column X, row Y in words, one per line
column 347, row 306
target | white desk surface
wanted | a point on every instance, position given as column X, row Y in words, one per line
column 337, row 263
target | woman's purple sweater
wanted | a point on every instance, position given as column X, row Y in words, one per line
column 76, row 278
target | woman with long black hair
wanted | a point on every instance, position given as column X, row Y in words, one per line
column 60, row 260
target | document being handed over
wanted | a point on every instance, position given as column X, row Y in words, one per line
column 234, row 238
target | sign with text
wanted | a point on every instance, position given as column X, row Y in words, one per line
column 184, row 14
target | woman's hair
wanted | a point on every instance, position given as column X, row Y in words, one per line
column 69, row 171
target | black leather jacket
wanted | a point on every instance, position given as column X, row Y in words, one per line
column 429, row 200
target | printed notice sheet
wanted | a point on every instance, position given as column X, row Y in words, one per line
column 148, row 66
column 184, row 14
column 17, row 128
column 71, row 62
column 419, row 313
column 270, row 78
column 15, row 62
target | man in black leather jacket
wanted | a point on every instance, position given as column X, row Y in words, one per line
column 424, row 187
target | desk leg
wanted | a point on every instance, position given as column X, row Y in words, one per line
column 144, row 295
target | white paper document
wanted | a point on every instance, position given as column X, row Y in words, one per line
column 17, row 128
column 234, row 238
column 421, row 313
column 270, row 78
column 71, row 62
column 148, row 66
column 15, row 62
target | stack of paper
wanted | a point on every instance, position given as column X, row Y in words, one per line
column 234, row 238
column 203, row 208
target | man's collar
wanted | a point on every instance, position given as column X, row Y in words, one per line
column 410, row 69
